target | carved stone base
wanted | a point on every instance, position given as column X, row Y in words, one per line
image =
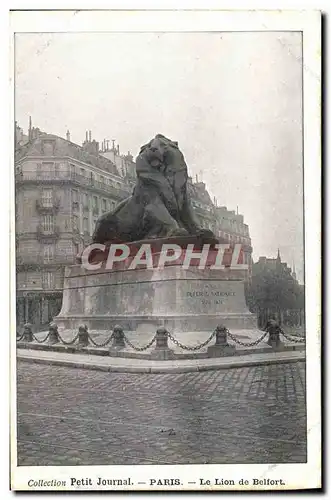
column 216, row 351
column 162, row 354
column 181, row 300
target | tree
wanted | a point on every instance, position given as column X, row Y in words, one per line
column 274, row 291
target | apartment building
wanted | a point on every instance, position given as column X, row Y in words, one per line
column 61, row 190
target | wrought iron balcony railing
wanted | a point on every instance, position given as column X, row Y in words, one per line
column 67, row 176
column 47, row 232
column 48, row 205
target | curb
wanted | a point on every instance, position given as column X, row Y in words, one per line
column 106, row 367
column 125, row 354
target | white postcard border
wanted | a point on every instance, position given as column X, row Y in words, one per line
column 295, row 475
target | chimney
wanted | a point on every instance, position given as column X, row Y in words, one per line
column 30, row 129
column 68, row 135
column 113, row 141
column 118, row 149
column 196, row 178
column 90, row 136
column 107, row 145
column 86, row 136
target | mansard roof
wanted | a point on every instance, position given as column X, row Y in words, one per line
column 62, row 147
column 199, row 192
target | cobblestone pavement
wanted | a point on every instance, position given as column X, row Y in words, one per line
column 69, row 416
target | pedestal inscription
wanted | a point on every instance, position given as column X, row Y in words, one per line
column 178, row 299
column 211, row 297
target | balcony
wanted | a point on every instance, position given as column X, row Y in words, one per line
column 49, row 233
column 62, row 177
column 204, row 212
column 48, row 206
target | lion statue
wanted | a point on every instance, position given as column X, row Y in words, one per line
column 159, row 206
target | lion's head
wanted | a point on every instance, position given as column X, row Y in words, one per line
column 163, row 152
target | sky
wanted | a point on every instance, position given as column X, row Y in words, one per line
column 232, row 100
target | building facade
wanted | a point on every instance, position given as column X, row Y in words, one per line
column 61, row 190
column 226, row 224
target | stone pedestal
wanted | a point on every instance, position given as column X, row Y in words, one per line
column 181, row 300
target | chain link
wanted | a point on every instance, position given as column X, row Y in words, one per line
column 147, row 346
column 297, row 341
column 40, row 341
column 70, row 342
column 247, row 344
column 103, row 344
column 191, row 348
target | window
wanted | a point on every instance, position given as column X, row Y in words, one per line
column 47, row 170
column 48, row 147
column 47, row 197
column 48, row 222
column 75, row 223
column 75, row 196
column 56, row 170
column 104, row 205
column 85, row 200
column 102, row 179
column 82, row 172
column 85, row 224
column 48, row 253
column 95, row 203
column 48, row 280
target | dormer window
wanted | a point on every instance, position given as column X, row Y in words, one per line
column 48, row 146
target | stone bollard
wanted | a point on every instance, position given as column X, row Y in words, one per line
column 118, row 338
column 221, row 346
column 162, row 351
column 82, row 336
column 273, row 329
column 53, row 334
column 27, row 333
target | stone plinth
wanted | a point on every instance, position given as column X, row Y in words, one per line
column 145, row 299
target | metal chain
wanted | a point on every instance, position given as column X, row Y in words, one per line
column 298, row 341
column 103, row 344
column 246, row 344
column 19, row 338
column 191, row 348
column 40, row 341
column 70, row 342
column 147, row 346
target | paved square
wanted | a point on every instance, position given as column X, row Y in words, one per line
column 69, row 416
